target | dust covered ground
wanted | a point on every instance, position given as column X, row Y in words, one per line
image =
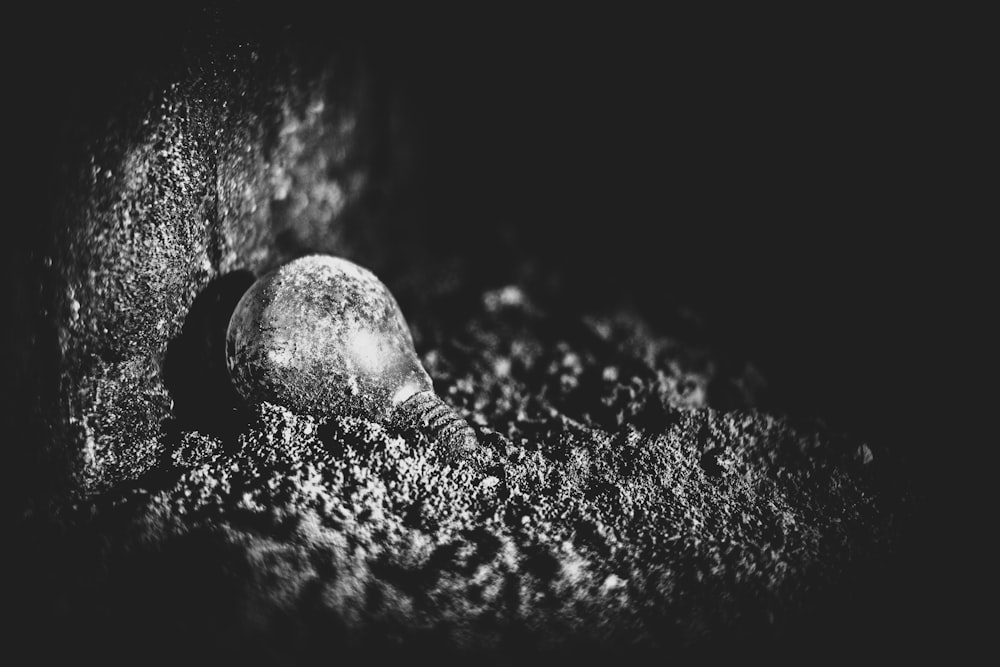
column 695, row 442
column 611, row 509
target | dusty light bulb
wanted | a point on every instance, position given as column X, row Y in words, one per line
column 323, row 335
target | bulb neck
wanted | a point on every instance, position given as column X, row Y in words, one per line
column 425, row 411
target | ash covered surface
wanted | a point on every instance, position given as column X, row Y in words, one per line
column 695, row 443
column 610, row 509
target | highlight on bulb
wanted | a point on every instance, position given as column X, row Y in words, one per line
column 322, row 335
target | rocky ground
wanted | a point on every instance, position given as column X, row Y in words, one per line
column 650, row 483
column 611, row 508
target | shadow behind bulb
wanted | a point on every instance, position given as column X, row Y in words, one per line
column 322, row 335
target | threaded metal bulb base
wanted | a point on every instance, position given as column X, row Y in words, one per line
column 427, row 412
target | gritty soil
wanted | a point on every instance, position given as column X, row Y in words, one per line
column 644, row 488
column 611, row 509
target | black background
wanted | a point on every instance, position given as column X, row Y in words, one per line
column 785, row 176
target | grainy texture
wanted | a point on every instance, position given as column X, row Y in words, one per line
column 232, row 159
column 636, row 492
column 609, row 509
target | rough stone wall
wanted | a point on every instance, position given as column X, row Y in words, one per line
column 636, row 493
column 225, row 160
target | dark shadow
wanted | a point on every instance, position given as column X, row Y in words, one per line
column 194, row 369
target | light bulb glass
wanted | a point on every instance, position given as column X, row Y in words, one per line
column 322, row 335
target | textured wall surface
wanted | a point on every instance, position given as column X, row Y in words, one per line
column 220, row 160
column 644, row 485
